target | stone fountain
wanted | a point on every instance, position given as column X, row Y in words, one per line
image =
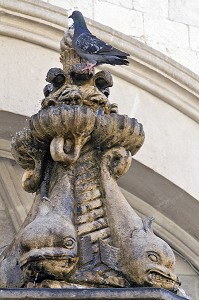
column 81, row 238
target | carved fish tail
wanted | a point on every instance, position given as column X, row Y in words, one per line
column 98, row 259
column 90, row 220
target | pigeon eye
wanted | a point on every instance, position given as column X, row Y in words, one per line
column 69, row 243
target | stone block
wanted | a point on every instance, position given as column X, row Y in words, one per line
column 182, row 267
column 191, row 286
column 123, row 3
column 157, row 8
column 122, row 19
column 165, row 32
column 2, row 205
column 194, row 38
column 7, row 230
column 86, row 7
column 184, row 11
column 94, row 294
column 186, row 57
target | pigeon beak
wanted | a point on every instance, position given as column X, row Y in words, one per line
column 70, row 17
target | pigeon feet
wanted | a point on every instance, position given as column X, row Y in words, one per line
column 90, row 68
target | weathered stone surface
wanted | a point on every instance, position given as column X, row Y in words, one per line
column 166, row 33
column 92, row 294
column 6, row 238
column 184, row 11
column 133, row 24
column 157, row 8
column 123, row 3
column 194, row 38
column 85, row 6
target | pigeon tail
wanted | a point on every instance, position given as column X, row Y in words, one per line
column 114, row 60
column 118, row 53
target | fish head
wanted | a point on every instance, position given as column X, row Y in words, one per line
column 150, row 261
column 48, row 248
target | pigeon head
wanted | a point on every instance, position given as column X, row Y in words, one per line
column 79, row 22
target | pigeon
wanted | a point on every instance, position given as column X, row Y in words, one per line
column 94, row 50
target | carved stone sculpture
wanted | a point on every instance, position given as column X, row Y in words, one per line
column 81, row 231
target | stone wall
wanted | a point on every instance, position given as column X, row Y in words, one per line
column 171, row 27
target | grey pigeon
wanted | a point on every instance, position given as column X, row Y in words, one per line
column 94, row 50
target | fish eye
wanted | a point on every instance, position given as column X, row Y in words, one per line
column 153, row 257
column 69, row 243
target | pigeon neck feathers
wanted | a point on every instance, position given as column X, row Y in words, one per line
column 79, row 23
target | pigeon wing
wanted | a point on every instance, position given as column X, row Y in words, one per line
column 90, row 44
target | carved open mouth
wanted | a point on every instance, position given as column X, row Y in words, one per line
column 47, row 263
column 159, row 279
column 75, row 98
column 49, row 253
column 70, row 98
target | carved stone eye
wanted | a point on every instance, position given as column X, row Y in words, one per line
column 153, row 257
column 69, row 243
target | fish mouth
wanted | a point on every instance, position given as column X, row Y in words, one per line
column 49, row 254
column 47, row 263
column 157, row 278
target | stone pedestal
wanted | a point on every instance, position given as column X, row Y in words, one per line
column 92, row 294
